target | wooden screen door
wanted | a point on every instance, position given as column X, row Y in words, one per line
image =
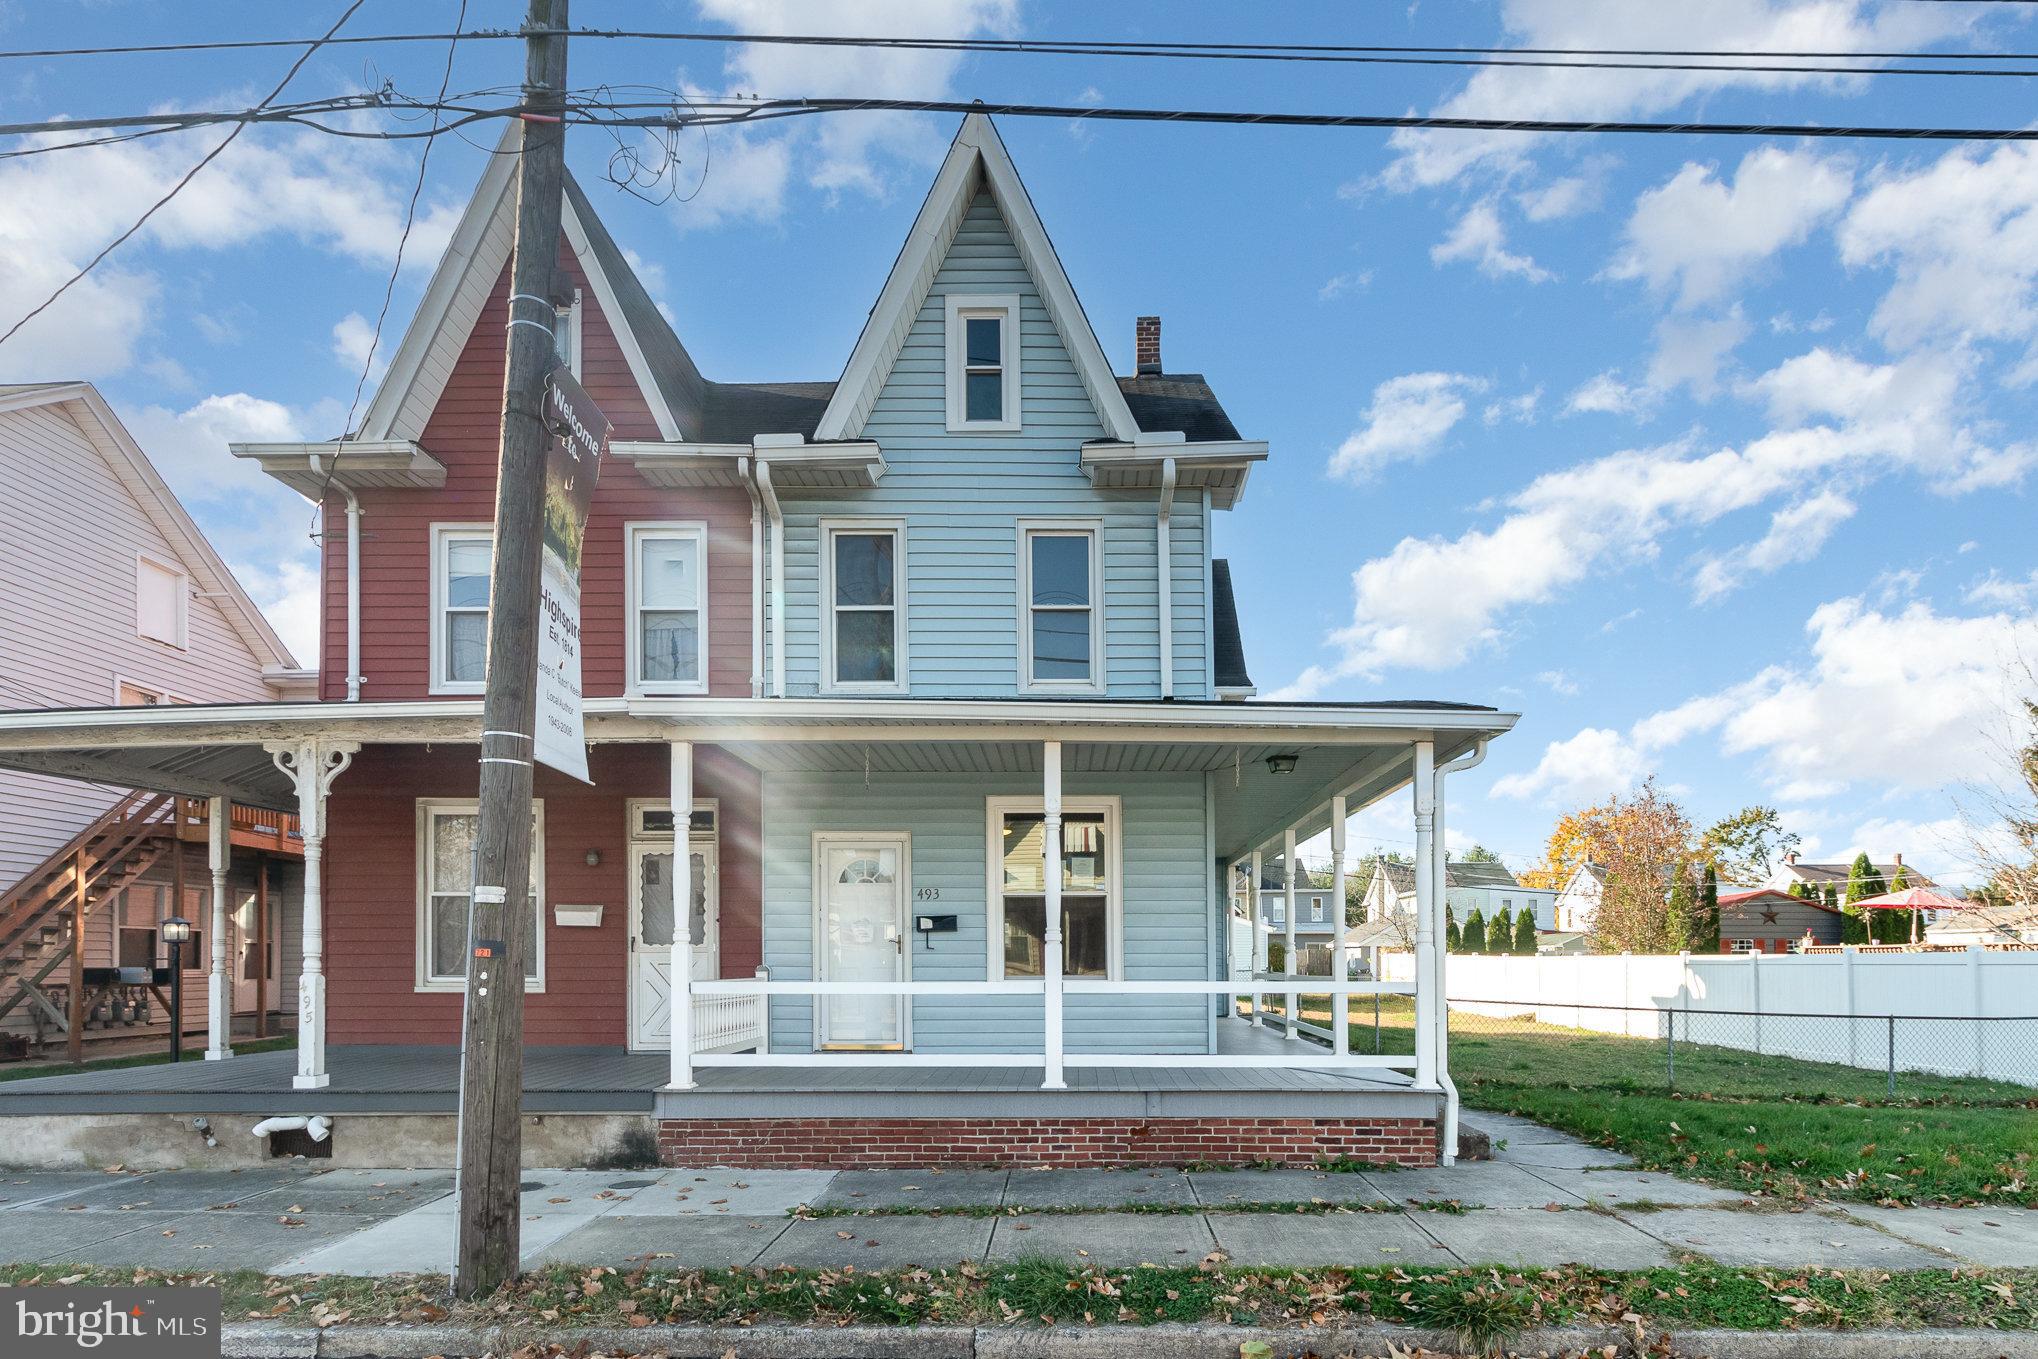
column 651, row 926
column 862, row 938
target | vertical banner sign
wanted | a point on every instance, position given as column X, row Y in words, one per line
column 580, row 440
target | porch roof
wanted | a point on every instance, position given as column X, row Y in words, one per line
column 1360, row 750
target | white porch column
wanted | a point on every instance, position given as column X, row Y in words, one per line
column 682, row 917
column 1426, row 913
column 1259, row 950
column 312, row 765
column 1234, row 873
column 1050, row 771
column 1340, row 970
column 219, row 996
column 1291, row 1006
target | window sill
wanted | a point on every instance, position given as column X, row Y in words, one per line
column 667, row 691
column 458, row 986
column 985, row 427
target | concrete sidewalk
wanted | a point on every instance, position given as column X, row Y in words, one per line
column 292, row 1219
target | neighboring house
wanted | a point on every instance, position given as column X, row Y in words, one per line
column 2008, row 924
column 1316, row 917
column 1837, row 875
column 1484, row 885
column 913, row 703
column 116, row 599
column 1577, row 901
column 1769, row 920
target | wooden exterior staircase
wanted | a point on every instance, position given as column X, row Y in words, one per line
column 42, row 915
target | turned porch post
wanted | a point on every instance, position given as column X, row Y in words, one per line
column 682, row 917
column 1050, row 942
column 312, row 764
column 1291, row 1005
column 1259, row 949
column 219, row 995
column 1426, row 916
column 1340, row 970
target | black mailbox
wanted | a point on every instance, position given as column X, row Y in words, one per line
column 934, row 924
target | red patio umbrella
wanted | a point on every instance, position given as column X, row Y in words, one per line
column 1913, row 899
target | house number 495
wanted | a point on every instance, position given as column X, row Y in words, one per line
column 927, row 894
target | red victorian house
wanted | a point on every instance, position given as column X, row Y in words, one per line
column 936, row 661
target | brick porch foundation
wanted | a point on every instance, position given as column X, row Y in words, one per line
column 863, row 1143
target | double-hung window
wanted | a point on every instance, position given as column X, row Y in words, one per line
column 462, row 558
column 1090, row 879
column 983, row 363
column 1061, row 637
column 863, row 579
column 668, row 601
column 445, row 840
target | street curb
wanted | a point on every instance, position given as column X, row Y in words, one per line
column 257, row 1340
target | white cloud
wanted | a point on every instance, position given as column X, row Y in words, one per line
column 1690, row 353
column 1699, row 237
column 353, row 337
column 1353, row 281
column 1606, row 394
column 189, row 447
column 1559, row 682
column 2004, row 592
column 1961, row 236
column 1585, row 768
column 1480, row 238
column 1904, row 700
column 1796, row 534
column 1520, row 410
column 1436, row 158
column 1940, row 848
column 337, row 194
column 288, row 594
column 750, row 171
column 1568, row 196
column 1430, row 603
column 1409, row 416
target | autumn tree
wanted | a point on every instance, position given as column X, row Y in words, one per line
column 1743, row 848
column 1569, row 849
column 2000, row 816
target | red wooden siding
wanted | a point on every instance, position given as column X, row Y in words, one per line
column 371, row 889
column 463, row 434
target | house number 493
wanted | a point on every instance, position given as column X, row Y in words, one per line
column 927, row 894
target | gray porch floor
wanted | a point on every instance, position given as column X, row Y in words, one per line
column 410, row 1079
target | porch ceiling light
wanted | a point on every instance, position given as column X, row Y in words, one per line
column 1280, row 764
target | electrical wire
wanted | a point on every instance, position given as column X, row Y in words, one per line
column 178, row 187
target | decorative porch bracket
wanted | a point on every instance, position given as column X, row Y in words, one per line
column 219, row 996
column 312, row 764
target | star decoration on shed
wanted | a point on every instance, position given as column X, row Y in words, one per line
column 1769, row 917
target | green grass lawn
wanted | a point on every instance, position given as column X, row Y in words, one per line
column 1736, row 1119
column 192, row 1053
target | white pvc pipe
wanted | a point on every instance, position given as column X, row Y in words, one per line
column 769, row 495
column 287, row 1123
column 353, row 596
column 1164, row 568
column 319, row 1127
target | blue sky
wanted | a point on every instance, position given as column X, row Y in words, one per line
column 1712, row 457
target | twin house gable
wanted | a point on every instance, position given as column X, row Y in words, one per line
column 978, row 507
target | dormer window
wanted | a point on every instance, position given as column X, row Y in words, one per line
column 983, row 363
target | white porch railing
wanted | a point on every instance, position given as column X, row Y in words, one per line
column 727, row 1023
column 1305, row 1056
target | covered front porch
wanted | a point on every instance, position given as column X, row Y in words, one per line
column 975, row 916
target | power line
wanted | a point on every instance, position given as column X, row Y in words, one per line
column 178, row 187
column 1088, row 46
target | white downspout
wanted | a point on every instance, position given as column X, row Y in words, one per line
column 353, row 583
column 1164, row 567
column 772, row 512
column 1448, row 1152
column 756, row 579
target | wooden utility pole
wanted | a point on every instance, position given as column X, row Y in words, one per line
column 492, row 1055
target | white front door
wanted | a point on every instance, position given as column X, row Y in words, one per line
column 651, row 925
column 861, row 897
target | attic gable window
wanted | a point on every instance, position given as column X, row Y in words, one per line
column 162, row 601
column 983, row 363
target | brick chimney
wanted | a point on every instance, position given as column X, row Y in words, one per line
column 1146, row 346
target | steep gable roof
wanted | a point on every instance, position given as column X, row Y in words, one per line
column 671, row 385
column 159, row 504
column 977, row 162
column 1227, row 643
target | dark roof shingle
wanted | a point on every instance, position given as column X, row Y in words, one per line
column 1228, row 648
column 1177, row 401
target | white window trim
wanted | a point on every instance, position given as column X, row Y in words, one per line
column 1095, row 529
column 956, row 308
column 900, row 682
column 639, row 687
column 182, row 641
column 442, row 535
column 818, row 929
column 168, row 697
column 421, row 929
column 995, row 811
column 572, row 313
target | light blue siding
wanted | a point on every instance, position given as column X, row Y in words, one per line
column 963, row 494
column 1166, row 916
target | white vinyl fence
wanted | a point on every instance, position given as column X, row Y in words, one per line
column 1956, row 1014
